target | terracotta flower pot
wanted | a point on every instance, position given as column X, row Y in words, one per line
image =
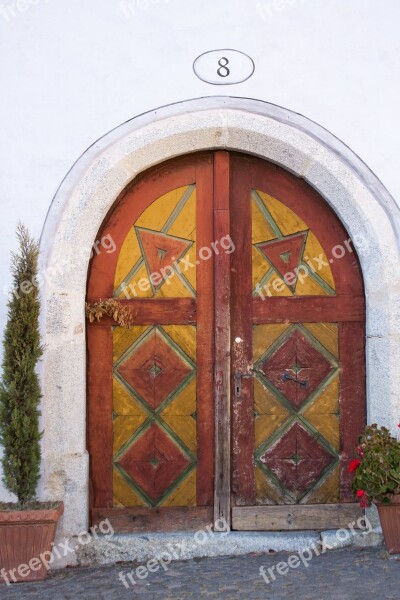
column 389, row 515
column 25, row 535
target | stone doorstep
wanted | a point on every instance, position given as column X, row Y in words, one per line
column 142, row 547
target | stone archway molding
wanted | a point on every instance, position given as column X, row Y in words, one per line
column 361, row 202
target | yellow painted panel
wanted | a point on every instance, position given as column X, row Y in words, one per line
column 327, row 334
column 271, row 413
column 260, row 266
column 124, row 403
column 307, row 286
column 123, row 338
column 128, row 256
column 123, row 495
column 123, row 428
column 178, row 415
column 139, row 286
column 265, row 402
column 184, row 336
column 188, row 266
column 277, row 287
column 323, row 413
column 328, row 426
column 287, row 221
column 265, row 426
column 173, row 288
column 314, row 250
column 185, row 494
column 327, row 492
column 185, row 429
column 327, row 402
column 265, row 335
column 266, row 493
column 185, row 223
column 184, row 403
column 156, row 215
column 261, row 230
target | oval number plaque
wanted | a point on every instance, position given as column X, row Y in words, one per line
column 223, row 67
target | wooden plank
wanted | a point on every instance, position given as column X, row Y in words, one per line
column 308, row 309
column 352, row 399
column 100, row 403
column 243, row 475
column 205, row 335
column 296, row 517
column 222, row 492
column 129, row 520
column 151, row 311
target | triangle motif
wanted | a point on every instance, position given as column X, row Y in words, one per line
column 160, row 251
column 285, row 254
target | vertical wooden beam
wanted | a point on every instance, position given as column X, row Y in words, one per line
column 222, row 486
column 243, row 475
column 351, row 398
column 99, row 411
column 205, row 333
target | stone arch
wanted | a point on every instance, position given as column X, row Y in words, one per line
column 364, row 206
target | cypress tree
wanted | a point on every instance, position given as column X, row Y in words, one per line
column 20, row 389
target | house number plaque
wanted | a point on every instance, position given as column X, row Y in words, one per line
column 223, row 67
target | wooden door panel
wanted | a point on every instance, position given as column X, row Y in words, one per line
column 307, row 308
column 158, row 411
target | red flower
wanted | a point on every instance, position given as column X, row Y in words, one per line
column 360, row 451
column 362, row 498
column 398, row 425
column 354, row 466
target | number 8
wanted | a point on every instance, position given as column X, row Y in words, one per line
column 223, row 67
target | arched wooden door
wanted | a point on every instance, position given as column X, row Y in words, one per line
column 240, row 389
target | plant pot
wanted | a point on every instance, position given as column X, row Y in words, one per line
column 25, row 535
column 389, row 515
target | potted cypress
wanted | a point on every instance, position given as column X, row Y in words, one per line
column 377, row 479
column 27, row 527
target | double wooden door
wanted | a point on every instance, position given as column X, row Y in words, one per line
column 238, row 395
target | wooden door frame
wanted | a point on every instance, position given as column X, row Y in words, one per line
column 221, row 286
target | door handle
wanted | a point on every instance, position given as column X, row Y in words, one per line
column 238, row 376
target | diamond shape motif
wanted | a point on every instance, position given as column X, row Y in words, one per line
column 154, row 462
column 297, row 459
column 154, row 369
column 295, row 368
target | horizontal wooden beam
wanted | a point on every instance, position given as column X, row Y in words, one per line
column 152, row 311
column 294, row 517
column 128, row 520
column 308, row 309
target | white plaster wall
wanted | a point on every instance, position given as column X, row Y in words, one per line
column 71, row 70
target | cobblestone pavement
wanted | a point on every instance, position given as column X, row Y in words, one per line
column 354, row 574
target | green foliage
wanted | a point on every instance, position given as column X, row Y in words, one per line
column 20, row 390
column 378, row 473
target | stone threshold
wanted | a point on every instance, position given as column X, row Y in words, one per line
column 142, row 547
